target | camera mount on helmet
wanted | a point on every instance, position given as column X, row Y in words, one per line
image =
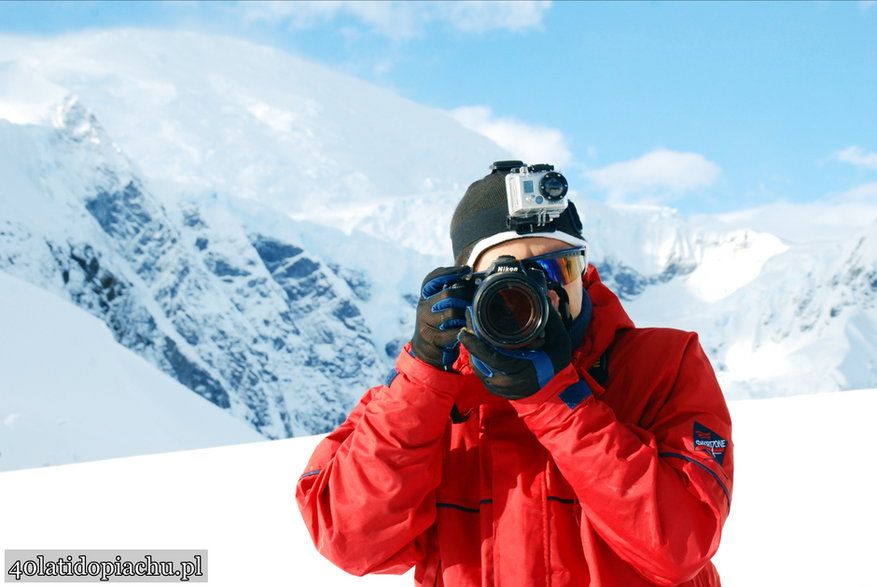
column 504, row 167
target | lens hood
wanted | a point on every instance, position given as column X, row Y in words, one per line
column 510, row 307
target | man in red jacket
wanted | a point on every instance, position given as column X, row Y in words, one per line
column 596, row 454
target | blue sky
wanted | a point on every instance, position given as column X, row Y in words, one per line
column 707, row 107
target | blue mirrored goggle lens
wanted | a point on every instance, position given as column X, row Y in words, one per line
column 564, row 267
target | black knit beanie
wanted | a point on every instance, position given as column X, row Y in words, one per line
column 483, row 212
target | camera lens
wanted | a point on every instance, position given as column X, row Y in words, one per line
column 553, row 185
column 509, row 310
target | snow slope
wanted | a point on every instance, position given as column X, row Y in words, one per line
column 69, row 392
column 803, row 511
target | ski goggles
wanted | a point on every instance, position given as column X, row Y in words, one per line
column 564, row 266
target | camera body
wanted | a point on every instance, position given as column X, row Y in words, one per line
column 509, row 306
column 536, row 195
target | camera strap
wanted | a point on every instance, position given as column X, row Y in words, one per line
column 565, row 313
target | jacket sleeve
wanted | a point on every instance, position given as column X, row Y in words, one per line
column 657, row 491
column 367, row 494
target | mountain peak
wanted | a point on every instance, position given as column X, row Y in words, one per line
column 257, row 226
column 203, row 112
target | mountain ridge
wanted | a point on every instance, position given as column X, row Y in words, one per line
column 280, row 292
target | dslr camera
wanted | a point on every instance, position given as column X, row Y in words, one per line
column 509, row 306
column 536, row 194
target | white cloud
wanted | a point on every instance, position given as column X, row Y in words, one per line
column 527, row 142
column 857, row 156
column 391, row 19
column 864, row 193
column 656, row 177
column 401, row 20
column 480, row 17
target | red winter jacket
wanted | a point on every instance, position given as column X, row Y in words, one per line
column 625, row 485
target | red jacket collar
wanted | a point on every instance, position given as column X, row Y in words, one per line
column 608, row 318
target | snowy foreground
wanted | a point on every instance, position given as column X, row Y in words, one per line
column 803, row 513
column 69, row 393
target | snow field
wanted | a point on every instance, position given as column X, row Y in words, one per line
column 803, row 511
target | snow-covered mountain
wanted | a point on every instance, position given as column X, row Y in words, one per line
column 784, row 298
column 128, row 194
column 239, row 317
column 256, row 226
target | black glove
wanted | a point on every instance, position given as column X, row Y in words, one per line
column 519, row 373
column 441, row 313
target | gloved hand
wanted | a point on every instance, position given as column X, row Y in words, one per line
column 441, row 313
column 519, row 373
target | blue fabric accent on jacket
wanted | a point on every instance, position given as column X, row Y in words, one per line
column 458, row 507
column 309, row 474
column 390, row 377
column 561, row 499
column 576, row 393
column 471, row 510
column 702, row 466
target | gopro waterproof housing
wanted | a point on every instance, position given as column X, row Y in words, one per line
column 536, row 196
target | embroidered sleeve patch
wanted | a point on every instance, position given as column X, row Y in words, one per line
column 705, row 440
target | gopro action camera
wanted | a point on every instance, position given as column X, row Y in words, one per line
column 536, row 195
